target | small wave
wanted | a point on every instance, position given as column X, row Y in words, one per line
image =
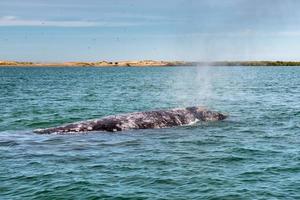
column 8, row 143
column 229, row 159
column 38, row 124
column 136, row 142
column 281, row 169
column 248, row 151
column 200, row 142
column 251, row 173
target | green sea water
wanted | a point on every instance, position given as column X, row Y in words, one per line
column 254, row 154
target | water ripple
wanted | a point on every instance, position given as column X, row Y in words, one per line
column 252, row 155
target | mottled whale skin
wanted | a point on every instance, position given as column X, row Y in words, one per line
column 139, row 120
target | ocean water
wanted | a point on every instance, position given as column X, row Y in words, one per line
column 254, row 154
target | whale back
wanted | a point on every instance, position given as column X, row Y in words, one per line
column 140, row 120
column 203, row 114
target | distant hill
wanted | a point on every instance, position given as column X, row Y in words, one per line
column 149, row 63
column 255, row 63
column 142, row 63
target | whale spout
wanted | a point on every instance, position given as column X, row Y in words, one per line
column 139, row 120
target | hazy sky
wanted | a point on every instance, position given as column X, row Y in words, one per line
column 90, row 30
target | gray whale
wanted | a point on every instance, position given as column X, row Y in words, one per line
column 139, row 120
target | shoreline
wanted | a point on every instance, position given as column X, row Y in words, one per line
column 144, row 63
column 147, row 63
